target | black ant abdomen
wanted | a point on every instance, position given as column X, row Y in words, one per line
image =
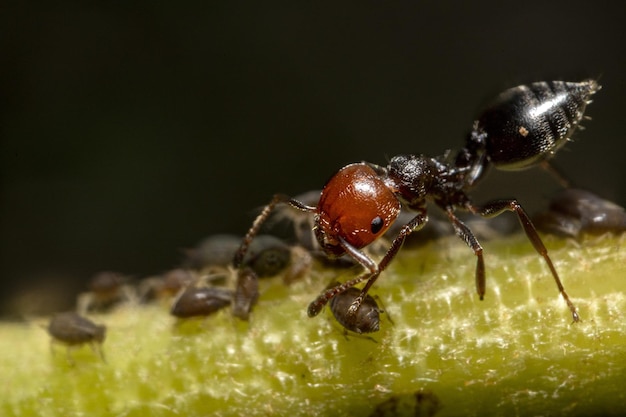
column 529, row 123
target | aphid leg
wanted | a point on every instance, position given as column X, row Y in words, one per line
column 261, row 218
column 69, row 356
column 468, row 237
column 556, row 174
column 374, row 269
column 52, row 352
column 97, row 349
column 496, row 208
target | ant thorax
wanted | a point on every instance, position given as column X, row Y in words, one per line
column 412, row 176
column 417, row 179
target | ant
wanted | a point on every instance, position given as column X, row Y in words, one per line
column 524, row 127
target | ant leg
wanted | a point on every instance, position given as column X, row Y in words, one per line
column 496, row 208
column 374, row 269
column 261, row 218
column 316, row 306
column 468, row 237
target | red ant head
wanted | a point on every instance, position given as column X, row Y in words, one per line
column 356, row 206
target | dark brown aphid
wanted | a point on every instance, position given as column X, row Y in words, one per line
column 573, row 212
column 524, row 127
column 301, row 221
column 72, row 330
column 201, row 301
column 246, row 293
column 268, row 256
column 367, row 317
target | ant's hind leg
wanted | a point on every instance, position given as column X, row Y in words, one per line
column 496, row 208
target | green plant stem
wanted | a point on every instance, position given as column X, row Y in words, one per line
column 515, row 353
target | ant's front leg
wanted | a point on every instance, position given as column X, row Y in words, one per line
column 496, row 208
column 373, row 269
column 368, row 263
column 261, row 218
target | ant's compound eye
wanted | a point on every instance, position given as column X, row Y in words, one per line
column 377, row 224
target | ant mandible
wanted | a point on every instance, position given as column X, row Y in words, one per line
column 522, row 128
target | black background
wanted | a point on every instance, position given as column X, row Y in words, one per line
column 130, row 131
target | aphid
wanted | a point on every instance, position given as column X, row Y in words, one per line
column 165, row 286
column 215, row 253
column 72, row 330
column 268, row 256
column 573, row 212
column 175, row 280
column 367, row 317
column 523, row 127
column 301, row 222
column 106, row 289
column 246, row 293
column 201, row 301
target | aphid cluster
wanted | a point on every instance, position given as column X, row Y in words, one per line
column 524, row 127
column 203, row 285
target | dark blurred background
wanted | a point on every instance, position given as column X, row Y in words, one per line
column 131, row 131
